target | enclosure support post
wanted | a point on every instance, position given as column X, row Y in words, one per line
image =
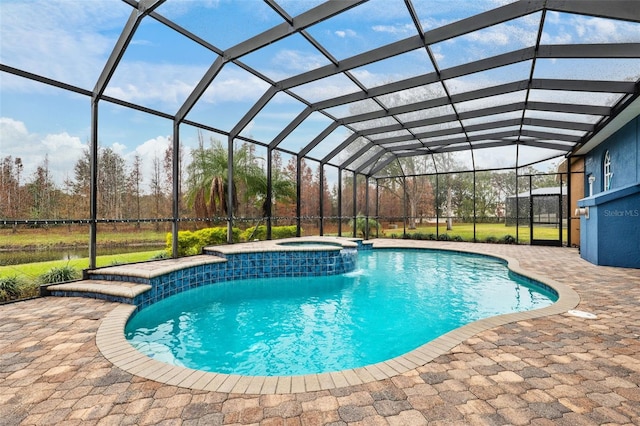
column 354, row 209
column 437, row 208
column 321, row 201
column 366, row 208
column 568, row 201
column 93, row 195
column 404, row 206
column 474, row 206
column 230, row 193
column 268, row 202
column 517, row 210
column 377, row 213
column 377, row 207
column 298, row 194
column 530, row 210
column 560, row 213
column 176, row 189
column 340, row 202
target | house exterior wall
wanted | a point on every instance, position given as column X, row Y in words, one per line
column 577, row 193
column 611, row 233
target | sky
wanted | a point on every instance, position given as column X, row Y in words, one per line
column 70, row 41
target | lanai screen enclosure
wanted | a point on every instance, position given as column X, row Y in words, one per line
column 366, row 92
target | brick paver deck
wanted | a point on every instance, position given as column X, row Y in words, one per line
column 558, row 369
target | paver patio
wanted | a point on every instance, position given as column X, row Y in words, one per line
column 559, row 369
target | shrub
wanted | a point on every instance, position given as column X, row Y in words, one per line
column 508, row 239
column 9, row 288
column 361, row 225
column 214, row 236
column 491, row 240
column 277, row 233
column 444, row 237
column 59, row 275
column 191, row 243
column 255, row 233
column 457, row 238
column 187, row 243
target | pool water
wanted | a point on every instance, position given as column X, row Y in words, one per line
column 396, row 301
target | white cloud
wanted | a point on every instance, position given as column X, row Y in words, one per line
column 61, row 149
column 118, row 148
column 164, row 86
column 503, row 35
column 234, row 86
column 345, row 33
column 400, row 29
column 148, row 151
column 565, row 28
column 63, row 40
column 297, row 61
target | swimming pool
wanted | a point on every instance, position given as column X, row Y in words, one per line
column 396, row 301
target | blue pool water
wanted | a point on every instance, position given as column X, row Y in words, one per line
column 396, row 301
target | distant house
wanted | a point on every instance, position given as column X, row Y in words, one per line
column 549, row 206
column 610, row 213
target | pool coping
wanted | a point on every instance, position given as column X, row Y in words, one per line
column 113, row 345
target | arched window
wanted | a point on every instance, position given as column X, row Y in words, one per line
column 607, row 173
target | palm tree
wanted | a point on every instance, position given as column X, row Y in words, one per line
column 207, row 179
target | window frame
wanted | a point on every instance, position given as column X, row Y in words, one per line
column 607, row 173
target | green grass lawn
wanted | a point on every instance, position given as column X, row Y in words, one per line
column 483, row 230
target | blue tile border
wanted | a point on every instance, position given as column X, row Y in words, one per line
column 239, row 266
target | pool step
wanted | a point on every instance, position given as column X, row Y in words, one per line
column 142, row 273
column 123, row 283
column 120, row 291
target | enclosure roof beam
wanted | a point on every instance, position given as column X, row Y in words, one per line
column 473, row 23
column 601, row 50
column 542, row 84
column 253, row 111
column 371, row 160
column 290, row 127
column 570, row 108
column 352, row 137
column 453, row 131
column 546, row 145
column 624, row 10
column 569, row 125
column 317, row 14
column 306, row 19
column 550, row 136
column 143, row 8
column 382, row 164
column 326, row 132
column 584, row 85
column 356, row 155
column 200, row 88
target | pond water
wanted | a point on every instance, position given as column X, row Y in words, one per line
column 19, row 257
